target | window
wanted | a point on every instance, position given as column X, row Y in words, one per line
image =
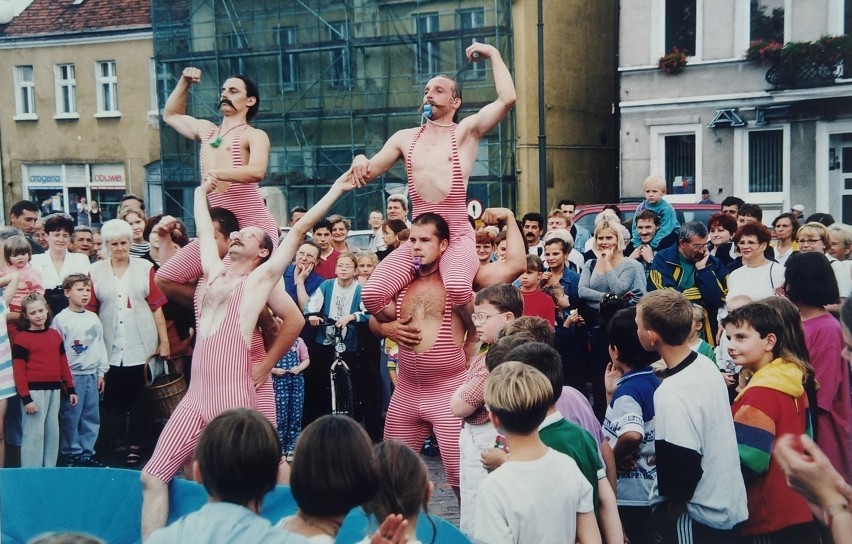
column 676, row 155
column 341, row 69
column 766, row 161
column 469, row 20
column 66, row 90
column 766, row 20
column 25, row 107
column 428, row 51
column 681, row 25
column 289, row 61
column 234, row 44
column 680, row 163
column 847, row 16
column 106, row 85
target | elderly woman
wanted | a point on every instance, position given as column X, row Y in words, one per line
column 340, row 227
column 758, row 277
column 610, row 271
column 841, row 241
column 815, row 237
column 786, row 228
column 136, row 218
column 130, row 307
column 57, row 262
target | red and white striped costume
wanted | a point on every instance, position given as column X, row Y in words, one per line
column 424, row 386
column 245, row 202
column 221, row 379
column 458, row 264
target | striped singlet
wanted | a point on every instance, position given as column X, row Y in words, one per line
column 425, row 385
column 458, row 265
column 221, row 379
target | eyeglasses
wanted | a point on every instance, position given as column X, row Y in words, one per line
column 747, row 243
column 344, row 266
column 481, row 317
column 697, row 247
column 239, row 235
column 808, row 241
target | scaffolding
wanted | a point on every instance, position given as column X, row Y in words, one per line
column 336, row 78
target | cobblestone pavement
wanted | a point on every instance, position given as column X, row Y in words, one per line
column 443, row 501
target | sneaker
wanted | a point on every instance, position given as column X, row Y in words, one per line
column 69, row 460
column 89, row 461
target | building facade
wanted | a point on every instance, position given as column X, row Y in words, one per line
column 767, row 130
column 83, row 122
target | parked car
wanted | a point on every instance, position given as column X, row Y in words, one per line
column 686, row 212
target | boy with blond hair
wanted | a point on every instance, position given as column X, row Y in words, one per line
column 695, row 443
column 561, row 510
column 654, row 188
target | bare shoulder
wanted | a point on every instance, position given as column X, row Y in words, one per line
column 256, row 134
column 403, row 137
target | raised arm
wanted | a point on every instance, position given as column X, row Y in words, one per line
column 364, row 169
column 481, row 123
column 516, row 253
column 174, row 112
column 210, row 261
column 271, row 270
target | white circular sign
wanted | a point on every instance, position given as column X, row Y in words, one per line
column 474, row 208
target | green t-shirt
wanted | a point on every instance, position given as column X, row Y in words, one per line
column 575, row 442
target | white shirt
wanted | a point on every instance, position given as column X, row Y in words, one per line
column 74, row 263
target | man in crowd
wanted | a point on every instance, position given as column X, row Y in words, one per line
column 24, row 215
column 580, row 234
column 398, row 208
column 533, row 225
column 731, row 205
column 689, row 268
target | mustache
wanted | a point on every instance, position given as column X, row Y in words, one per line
column 226, row 101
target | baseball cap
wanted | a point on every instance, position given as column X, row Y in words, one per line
column 799, row 208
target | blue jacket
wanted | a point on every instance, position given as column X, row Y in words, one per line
column 356, row 308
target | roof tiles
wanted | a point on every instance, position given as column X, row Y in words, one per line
column 52, row 17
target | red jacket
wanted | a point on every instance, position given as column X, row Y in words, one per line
column 39, row 362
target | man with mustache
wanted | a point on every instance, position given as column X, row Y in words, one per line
column 233, row 159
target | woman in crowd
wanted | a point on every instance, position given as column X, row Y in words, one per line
column 841, row 241
column 136, row 218
column 340, row 227
column 758, row 277
column 367, row 262
column 392, row 235
column 786, row 228
column 95, row 216
column 334, row 470
column 815, row 237
column 722, row 228
column 484, row 247
column 811, row 286
column 129, row 304
column 83, row 217
column 57, row 262
column 811, row 473
column 610, row 271
column 161, row 250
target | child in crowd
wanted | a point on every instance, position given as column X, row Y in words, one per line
column 695, row 442
column 405, row 488
column 629, row 424
column 539, row 495
column 655, row 189
column 83, row 339
column 367, row 262
column 8, row 284
column 536, row 303
column 730, row 370
column 494, row 307
column 772, row 404
column 236, row 480
column 696, row 343
column 41, row 368
column 17, row 253
column 289, row 386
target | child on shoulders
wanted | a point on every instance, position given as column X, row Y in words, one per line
column 655, row 189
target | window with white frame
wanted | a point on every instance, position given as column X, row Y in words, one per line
column 25, row 106
column 289, row 62
column 766, row 20
column 66, row 90
column 681, row 25
column 470, row 19
column 106, row 87
column 341, row 69
column 762, row 165
column 428, row 51
column 676, row 155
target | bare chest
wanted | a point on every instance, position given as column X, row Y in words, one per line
column 215, row 300
column 432, row 166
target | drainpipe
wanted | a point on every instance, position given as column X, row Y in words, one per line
column 542, row 137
